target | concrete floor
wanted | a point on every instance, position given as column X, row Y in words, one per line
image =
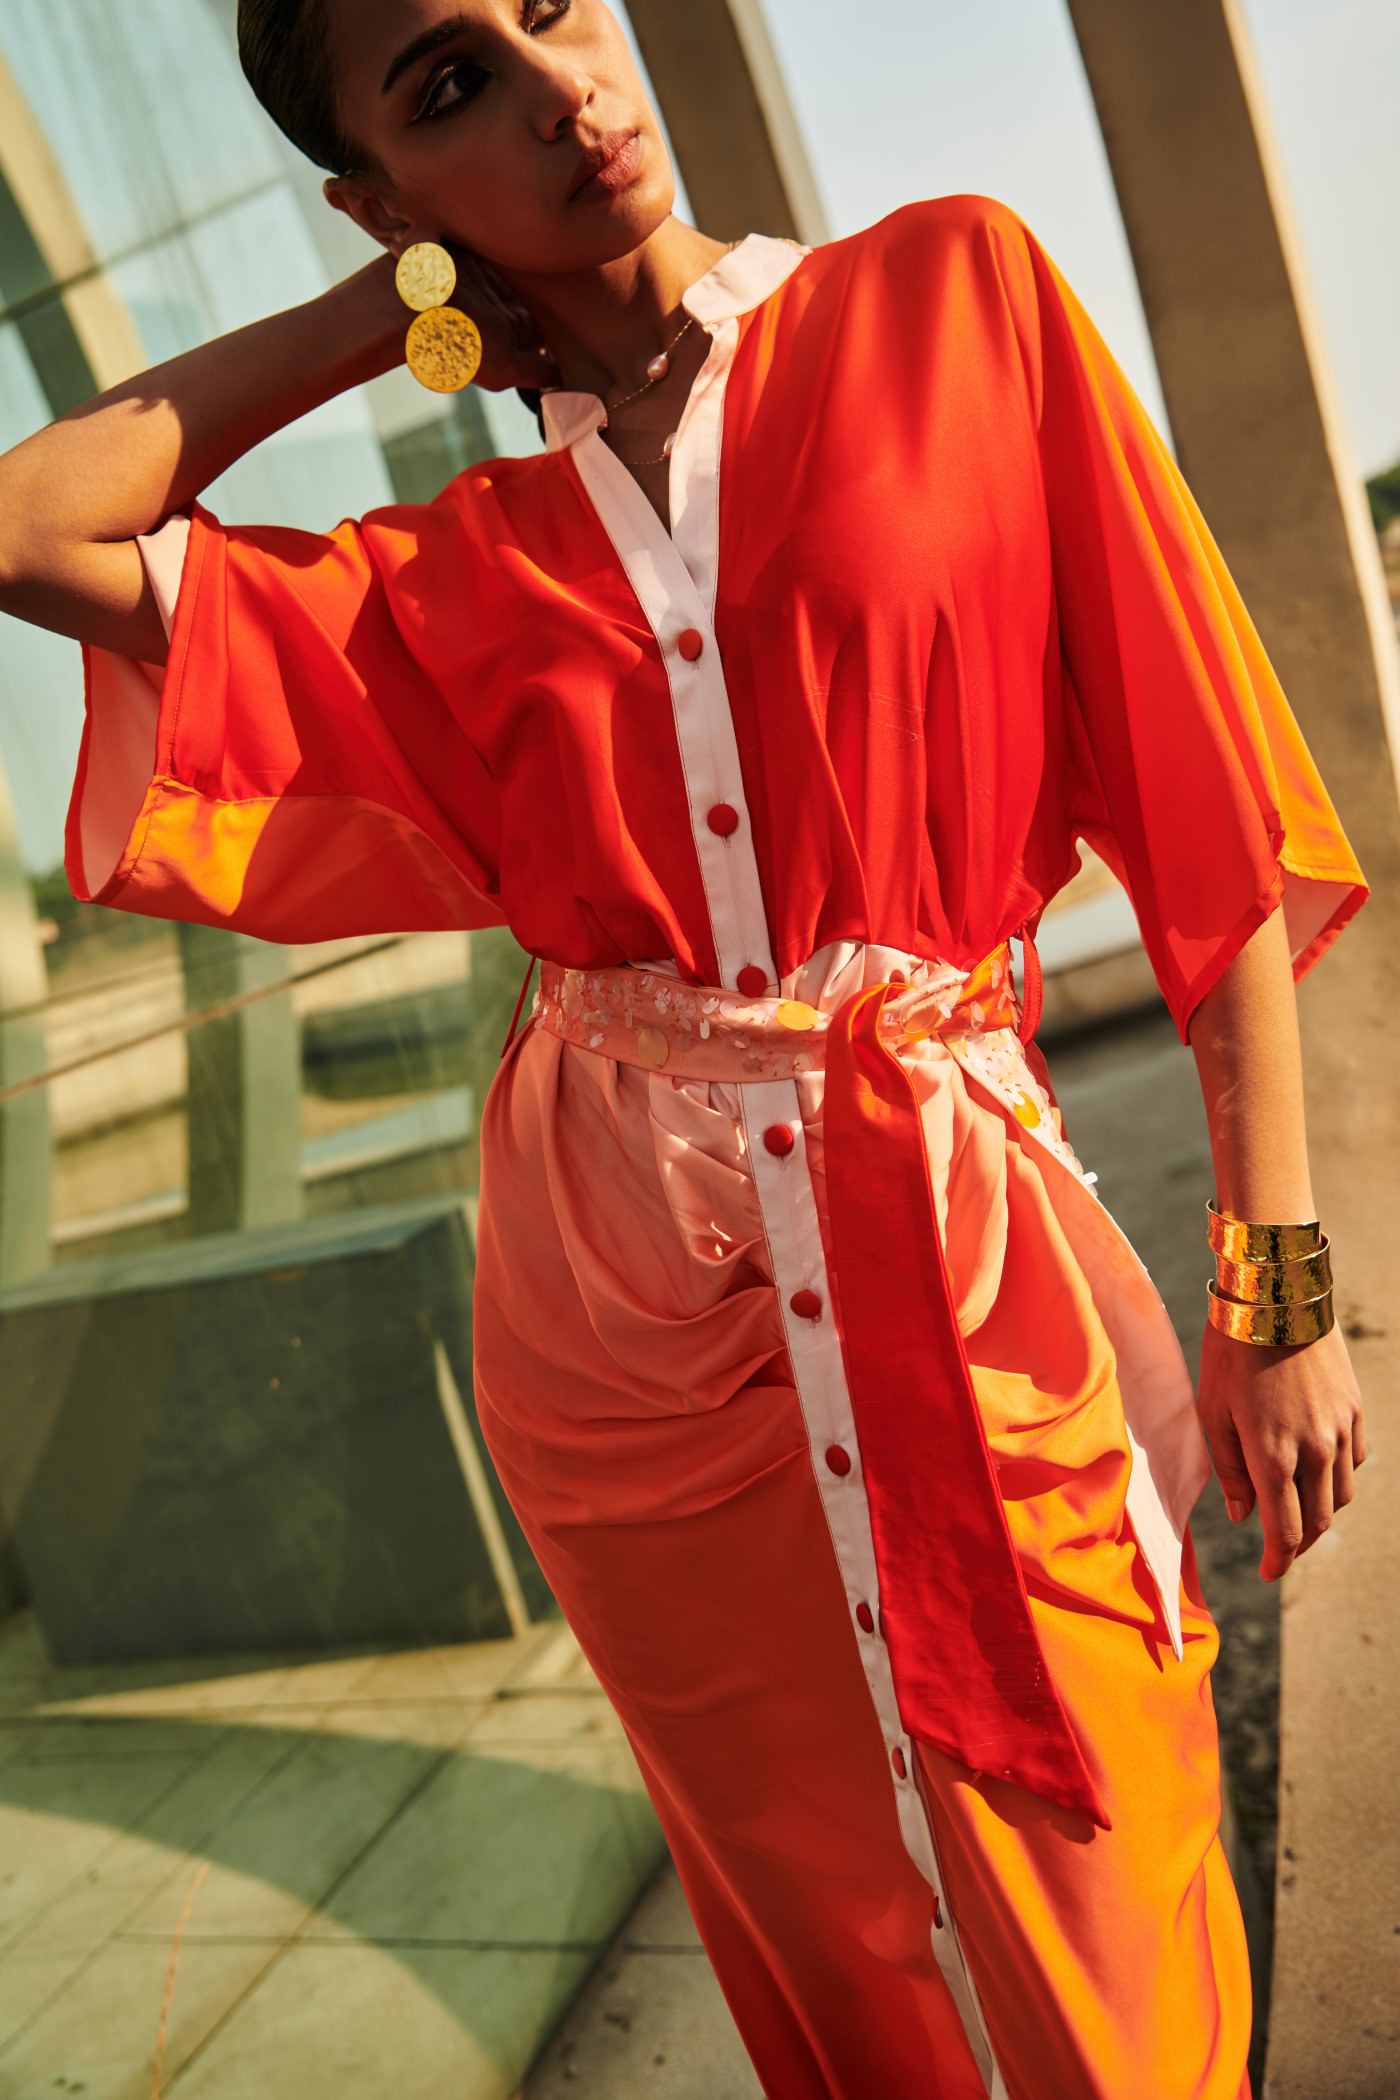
column 368, row 1875
column 651, row 2023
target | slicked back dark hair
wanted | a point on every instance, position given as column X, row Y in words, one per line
column 282, row 45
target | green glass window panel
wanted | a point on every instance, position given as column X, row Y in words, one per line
column 145, row 108
column 422, row 461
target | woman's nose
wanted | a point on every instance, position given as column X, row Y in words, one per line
column 562, row 94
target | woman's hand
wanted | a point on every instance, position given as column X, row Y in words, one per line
column 1284, row 1423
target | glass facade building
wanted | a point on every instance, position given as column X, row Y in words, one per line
column 145, row 206
column 237, row 1210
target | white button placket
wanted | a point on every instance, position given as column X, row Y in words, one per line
column 675, row 577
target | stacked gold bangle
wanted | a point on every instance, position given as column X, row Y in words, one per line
column 1273, row 1283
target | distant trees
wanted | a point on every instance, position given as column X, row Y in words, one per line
column 86, row 929
column 1384, row 493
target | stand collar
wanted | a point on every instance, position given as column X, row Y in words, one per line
column 741, row 280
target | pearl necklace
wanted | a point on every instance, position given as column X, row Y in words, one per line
column 659, row 366
column 656, row 370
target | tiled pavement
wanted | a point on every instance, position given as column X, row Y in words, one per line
column 650, row 2024
column 375, row 1874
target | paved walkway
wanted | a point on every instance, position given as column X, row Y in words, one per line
column 377, row 1875
column 651, row 2024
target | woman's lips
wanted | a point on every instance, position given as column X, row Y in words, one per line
column 618, row 171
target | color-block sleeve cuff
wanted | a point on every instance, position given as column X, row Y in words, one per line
column 123, row 696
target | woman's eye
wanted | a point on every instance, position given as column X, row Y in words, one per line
column 463, row 79
column 454, row 85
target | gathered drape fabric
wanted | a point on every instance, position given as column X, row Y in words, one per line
column 716, row 1596
column 850, row 1432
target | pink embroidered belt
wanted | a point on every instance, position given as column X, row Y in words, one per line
column 649, row 1017
column 969, row 1673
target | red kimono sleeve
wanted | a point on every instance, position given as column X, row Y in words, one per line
column 1192, row 778
column 295, row 771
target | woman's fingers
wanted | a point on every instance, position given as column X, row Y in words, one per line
column 1231, row 1468
column 1342, row 1465
column 1280, row 1513
column 1293, row 1418
column 1314, row 1484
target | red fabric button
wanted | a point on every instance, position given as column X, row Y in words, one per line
column 779, row 1139
column 806, row 1304
column 838, row 1460
column 898, row 977
column 897, row 1760
column 723, row 819
column 865, row 1617
column 752, row 981
column 690, row 643
column 937, row 1914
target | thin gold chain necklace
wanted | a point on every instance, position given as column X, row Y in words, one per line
column 661, row 364
column 663, row 458
column 656, row 372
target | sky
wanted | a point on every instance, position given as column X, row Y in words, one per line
column 923, row 98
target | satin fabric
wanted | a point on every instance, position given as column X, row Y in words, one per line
column 649, row 1434
column 968, row 613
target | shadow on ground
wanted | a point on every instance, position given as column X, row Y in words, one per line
column 374, row 1873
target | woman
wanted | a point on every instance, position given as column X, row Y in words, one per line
column 766, row 706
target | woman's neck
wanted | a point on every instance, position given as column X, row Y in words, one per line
column 605, row 325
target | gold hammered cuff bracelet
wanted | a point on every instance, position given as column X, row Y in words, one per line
column 1273, row 1283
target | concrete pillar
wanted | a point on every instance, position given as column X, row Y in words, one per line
column 243, row 1105
column 1260, row 440
column 726, row 105
column 25, row 1179
column 25, row 1142
column 78, row 332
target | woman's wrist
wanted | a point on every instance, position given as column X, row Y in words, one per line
column 366, row 322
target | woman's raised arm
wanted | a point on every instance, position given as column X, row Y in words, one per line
column 74, row 496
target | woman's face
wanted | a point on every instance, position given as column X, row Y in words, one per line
column 484, row 120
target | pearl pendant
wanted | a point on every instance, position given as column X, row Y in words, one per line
column 670, row 445
column 659, row 366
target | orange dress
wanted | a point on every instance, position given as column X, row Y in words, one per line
column 850, row 1432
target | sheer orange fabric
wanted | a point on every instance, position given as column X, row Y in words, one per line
column 967, row 610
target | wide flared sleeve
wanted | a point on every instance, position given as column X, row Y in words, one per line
column 1191, row 777
column 298, row 769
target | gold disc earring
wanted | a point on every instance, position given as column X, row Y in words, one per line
column 443, row 345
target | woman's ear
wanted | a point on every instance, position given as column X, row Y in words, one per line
column 363, row 201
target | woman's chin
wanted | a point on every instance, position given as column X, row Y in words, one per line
column 622, row 220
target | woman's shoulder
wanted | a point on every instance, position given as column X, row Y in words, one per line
column 931, row 233
column 486, row 500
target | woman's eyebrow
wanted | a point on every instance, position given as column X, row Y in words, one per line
column 440, row 33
